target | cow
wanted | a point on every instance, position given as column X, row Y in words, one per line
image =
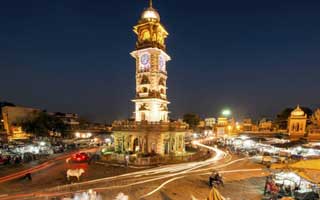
column 68, row 160
column 75, row 172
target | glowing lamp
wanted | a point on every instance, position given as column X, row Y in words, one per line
column 226, row 112
column 77, row 134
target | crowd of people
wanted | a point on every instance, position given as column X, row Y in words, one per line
column 276, row 191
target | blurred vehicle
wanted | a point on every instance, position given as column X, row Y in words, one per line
column 58, row 149
column 3, row 160
column 80, row 157
column 296, row 157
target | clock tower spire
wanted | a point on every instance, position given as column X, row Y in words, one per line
column 151, row 74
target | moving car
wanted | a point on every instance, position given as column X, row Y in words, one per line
column 3, row 160
column 80, row 157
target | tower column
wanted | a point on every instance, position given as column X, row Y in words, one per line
column 151, row 103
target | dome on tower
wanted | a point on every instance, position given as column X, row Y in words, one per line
column 150, row 14
column 297, row 112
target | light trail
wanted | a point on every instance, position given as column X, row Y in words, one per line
column 170, row 172
column 40, row 166
column 161, row 186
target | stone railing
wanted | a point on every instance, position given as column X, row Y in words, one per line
column 149, row 126
column 167, row 159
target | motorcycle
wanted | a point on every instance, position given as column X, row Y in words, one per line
column 215, row 182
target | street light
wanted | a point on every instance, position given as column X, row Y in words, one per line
column 226, row 112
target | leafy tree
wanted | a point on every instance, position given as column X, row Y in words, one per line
column 282, row 118
column 192, row 119
column 315, row 118
column 42, row 123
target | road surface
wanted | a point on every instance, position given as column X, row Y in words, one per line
column 176, row 181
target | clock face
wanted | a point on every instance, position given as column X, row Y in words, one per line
column 145, row 59
column 162, row 63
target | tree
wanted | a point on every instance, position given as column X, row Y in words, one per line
column 282, row 118
column 315, row 118
column 192, row 119
column 41, row 124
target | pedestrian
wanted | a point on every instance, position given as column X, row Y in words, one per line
column 127, row 160
column 28, row 176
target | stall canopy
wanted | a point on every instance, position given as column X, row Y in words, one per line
column 310, row 175
column 307, row 164
column 308, row 169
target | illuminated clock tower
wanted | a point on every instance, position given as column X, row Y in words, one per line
column 151, row 102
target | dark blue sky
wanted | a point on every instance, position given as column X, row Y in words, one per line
column 255, row 57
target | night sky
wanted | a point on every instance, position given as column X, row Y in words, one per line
column 254, row 57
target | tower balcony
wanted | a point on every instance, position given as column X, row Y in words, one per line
column 151, row 94
column 148, row 44
column 126, row 125
column 144, row 95
column 163, row 96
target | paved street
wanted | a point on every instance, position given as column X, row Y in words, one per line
column 177, row 181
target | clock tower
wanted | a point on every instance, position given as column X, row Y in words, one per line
column 151, row 102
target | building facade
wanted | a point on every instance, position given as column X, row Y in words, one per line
column 151, row 131
column 297, row 122
column 210, row 122
column 71, row 120
column 143, row 137
column 265, row 125
column 12, row 115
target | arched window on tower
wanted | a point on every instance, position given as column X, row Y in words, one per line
column 144, row 90
column 145, row 80
column 145, row 35
column 143, row 116
column 161, row 82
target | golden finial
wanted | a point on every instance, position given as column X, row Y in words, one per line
column 150, row 3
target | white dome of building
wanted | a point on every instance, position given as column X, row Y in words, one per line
column 297, row 112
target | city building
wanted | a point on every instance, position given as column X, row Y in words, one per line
column 202, row 124
column 222, row 121
column 69, row 119
column 151, row 132
column 221, row 127
column 297, row 122
column 210, row 122
column 265, row 125
column 14, row 114
column 247, row 125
